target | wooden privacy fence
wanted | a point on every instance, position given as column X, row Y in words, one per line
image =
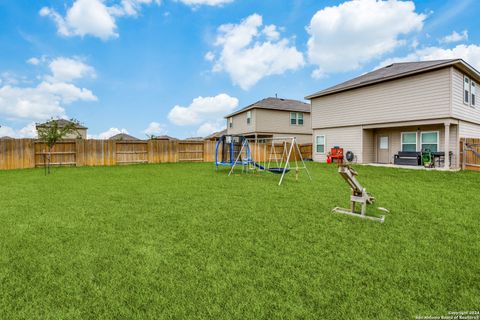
column 29, row 153
column 470, row 154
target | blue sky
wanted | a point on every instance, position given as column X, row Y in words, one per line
column 178, row 66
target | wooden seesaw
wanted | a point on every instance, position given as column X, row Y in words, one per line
column 359, row 195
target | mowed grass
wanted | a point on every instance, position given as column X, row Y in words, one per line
column 182, row 241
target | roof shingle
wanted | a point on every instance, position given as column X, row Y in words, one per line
column 276, row 104
column 392, row 71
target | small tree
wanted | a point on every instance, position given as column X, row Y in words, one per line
column 51, row 133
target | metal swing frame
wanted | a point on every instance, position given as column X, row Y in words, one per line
column 251, row 163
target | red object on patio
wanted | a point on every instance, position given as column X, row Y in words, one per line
column 336, row 153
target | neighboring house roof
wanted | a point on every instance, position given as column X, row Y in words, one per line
column 395, row 71
column 123, row 136
column 61, row 123
column 195, row 138
column 164, row 137
column 6, row 138
column 216, row 135
column 276, row 104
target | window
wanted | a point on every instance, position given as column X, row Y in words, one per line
column 230, row 122
column 293, row 118
column 429, row 140
column 296, row 118
column 249, row 117
column 320, row 144
column 300, row 118
column 409, row 141
column 474, row 93
column 384, row 143
column 466, row 90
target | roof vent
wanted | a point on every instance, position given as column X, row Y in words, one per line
column 389, row 65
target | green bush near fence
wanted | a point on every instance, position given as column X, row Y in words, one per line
column 183, row 241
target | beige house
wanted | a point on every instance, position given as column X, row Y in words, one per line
column 123, row 137
column 81, row 131
column 272, row 117
column 402, row 107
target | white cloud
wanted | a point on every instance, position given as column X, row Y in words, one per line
column 209, row 56
column 210, row 127
column 107, row 134
column 48, row 98
column 195, row 3
column 93, row 17
column 470, row 53
column 455, row 37
column 33, row 61
column 29, row 131
column 155, row 128
column 68, row 69
column 203, row 109
column 249, row 54
column 344, row 37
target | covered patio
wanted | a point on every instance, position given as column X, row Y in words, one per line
column 401, row 144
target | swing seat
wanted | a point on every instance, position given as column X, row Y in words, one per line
column 278, row 170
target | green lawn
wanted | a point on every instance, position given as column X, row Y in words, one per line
column 184, row 241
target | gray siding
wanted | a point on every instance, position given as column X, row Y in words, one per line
column 469, row 130
column 279, row 121
column 419, row 97
column 459, row 109
column 240, row 125
column 348, row 138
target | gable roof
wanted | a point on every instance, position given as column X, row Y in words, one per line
column 61, row 123
column 123, row 136
column 217, row 134
column 395, row 71
column 276, row 104
column 164, row 137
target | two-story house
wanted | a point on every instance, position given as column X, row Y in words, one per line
column 272, row 117
column 402, row 107
column 79, row 133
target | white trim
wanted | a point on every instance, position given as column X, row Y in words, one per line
column 431, row 131
column 298, row 118
column 473, row 87
column 469, row 91
column 324, row 143
column 401, row 139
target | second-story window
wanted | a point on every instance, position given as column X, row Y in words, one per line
column 296, row 118
column 474, row 93
column 230, row 122
column 466, row 90
column 293, row 118
column 249, row 117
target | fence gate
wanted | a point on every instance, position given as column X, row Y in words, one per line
column 128, row 152
column 191, row 151
column 470, row 154
column 63, row 154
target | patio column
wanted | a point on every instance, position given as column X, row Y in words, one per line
column 447, row 145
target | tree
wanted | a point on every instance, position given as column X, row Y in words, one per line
column 52, row 132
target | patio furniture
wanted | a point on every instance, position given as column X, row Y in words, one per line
column 439, row 158
column 408, row 158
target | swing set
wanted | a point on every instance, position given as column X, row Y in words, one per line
column 236, row 151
